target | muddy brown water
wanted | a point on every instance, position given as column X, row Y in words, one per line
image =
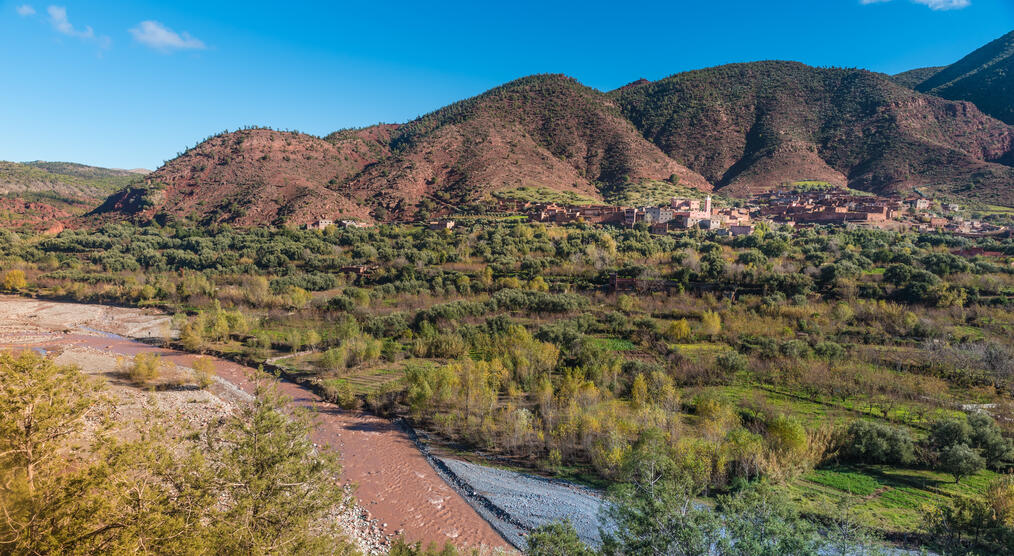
column 394, row 482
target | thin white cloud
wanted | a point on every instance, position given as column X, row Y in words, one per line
column 61, row 24
column 936, row 5
column 59, row 21
column 945, row 4
column 160, row 37
column 24, row 10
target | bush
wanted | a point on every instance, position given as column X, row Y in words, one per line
column 14, row 280
column 786, row 435
column 732, row 362
column 338, row 391
column 333, row 359
column 829, row 350
column 556, row 539
column 204, row 369
column 711, row 323
column 795, row 349
column 677, row 330
column 145, row 368
column 871, row 442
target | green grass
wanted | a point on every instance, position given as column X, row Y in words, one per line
column 371, row 380
column 845, row 481
column 613, row 344
column 966, row 334
column 701, row 349
column 546, row 195
column 653, row 193
column 888, row 499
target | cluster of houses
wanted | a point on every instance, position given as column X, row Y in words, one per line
column 832, row 206
column 838, row 206
column 324, row 223
column 792, row 207
column 679, row 214
column 961, row 226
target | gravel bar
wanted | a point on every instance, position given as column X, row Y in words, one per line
column 528, row 501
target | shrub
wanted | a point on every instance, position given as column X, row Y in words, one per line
column 711, row 323
column 338, row 391
column 871, row 442
column 829, row 350
column 333, row 359
column 677, row 330
column 732, row 362
column 204, row 369
column 14, row 280
column 795, row 349
column 556, row 539
column 785, row 434
column 145, row 368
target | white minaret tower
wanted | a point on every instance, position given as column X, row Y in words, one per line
column 707, row 205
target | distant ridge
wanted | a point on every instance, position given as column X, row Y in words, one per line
column 67, row 185
column 913, row 78
column 984, row 77
column 749, row 127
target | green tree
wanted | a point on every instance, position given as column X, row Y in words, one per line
column 677, row 330
column 988, row 437
column 556, row 539
column 654, row 508
column 277, row 486
column 960, row 461
column 761, row 521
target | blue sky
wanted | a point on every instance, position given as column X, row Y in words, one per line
column 130, row 84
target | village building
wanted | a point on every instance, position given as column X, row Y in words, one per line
column 355, row 224
column 321, row 224
column 442, row 224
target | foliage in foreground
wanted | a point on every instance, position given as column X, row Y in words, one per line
column 252, row 483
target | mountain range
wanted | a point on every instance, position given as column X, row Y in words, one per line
column 736, row 129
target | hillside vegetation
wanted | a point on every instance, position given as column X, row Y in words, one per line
column 984, row 77
column 912, row 78
column 843, row 365
column 255, row 176
column 64, row 184
column 748, row 127
column 544, row 130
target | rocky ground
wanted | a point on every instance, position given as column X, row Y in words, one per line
column 526, row 502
